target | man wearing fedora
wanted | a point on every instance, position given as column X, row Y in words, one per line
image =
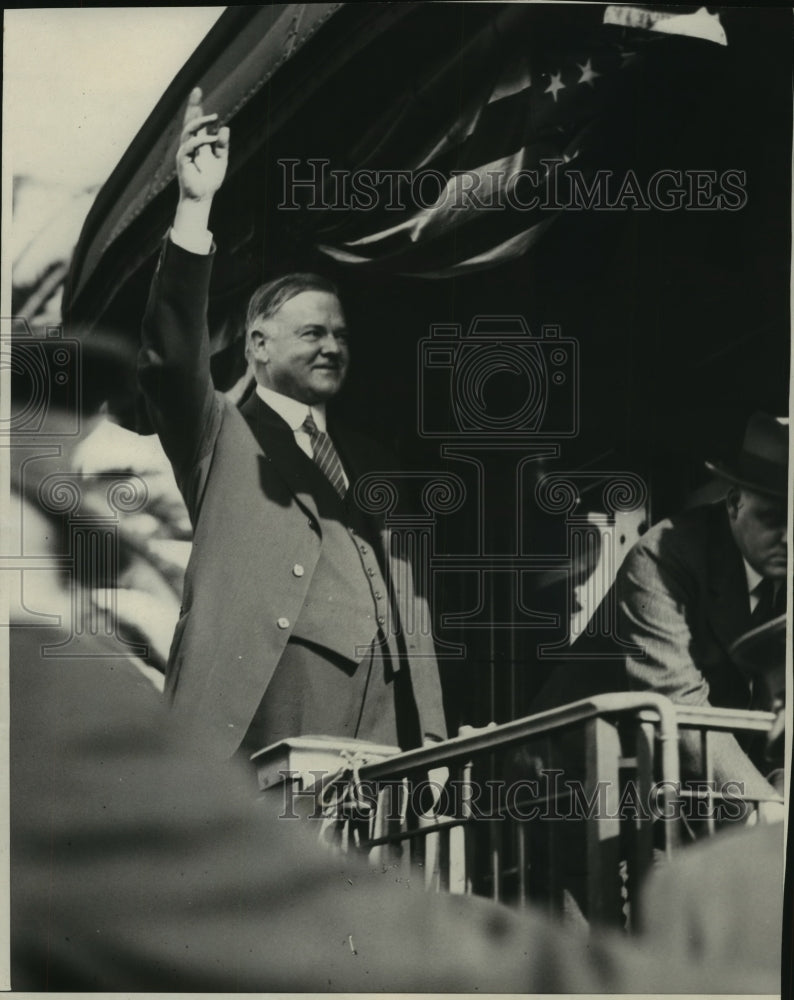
column 696, row 582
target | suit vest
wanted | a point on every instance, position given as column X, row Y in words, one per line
column 348, row 599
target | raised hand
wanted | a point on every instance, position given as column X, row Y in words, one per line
column 203, row 155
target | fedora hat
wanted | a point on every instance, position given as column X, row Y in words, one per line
column 762, row 463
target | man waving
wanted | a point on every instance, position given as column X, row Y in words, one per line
column 294, row 609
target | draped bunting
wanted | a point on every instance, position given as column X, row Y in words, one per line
column 471, row 169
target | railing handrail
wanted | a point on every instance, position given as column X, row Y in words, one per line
column 654, row 707
column 750, row 720
column 519, row 730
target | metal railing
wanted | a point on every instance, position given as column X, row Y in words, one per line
column 567, row 809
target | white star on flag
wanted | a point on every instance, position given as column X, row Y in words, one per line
column 555, row 85
column 588, row 73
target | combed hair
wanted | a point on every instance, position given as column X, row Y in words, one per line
column 269, row 298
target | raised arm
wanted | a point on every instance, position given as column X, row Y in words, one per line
column 201, row 162
column 174, row 362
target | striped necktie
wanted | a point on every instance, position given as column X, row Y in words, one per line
column 325, row 456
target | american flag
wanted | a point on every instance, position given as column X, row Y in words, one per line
column 472, row 167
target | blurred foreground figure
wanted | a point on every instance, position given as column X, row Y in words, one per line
column 140, row 862
column 719, row 906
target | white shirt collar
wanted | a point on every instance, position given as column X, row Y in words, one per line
column 753, row 576
column 291, row 410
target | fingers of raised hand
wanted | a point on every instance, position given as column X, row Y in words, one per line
column 221, row 145
column 194, row 129
column 189, row 146
column 195, row 125
column 201, row 146
column 193, row 109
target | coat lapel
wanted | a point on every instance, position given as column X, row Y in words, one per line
column 728, row 602
column 277, row 441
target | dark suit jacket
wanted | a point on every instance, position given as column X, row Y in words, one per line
column 253, row 502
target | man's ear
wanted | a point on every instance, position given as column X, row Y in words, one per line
column 257, row 346
column 733, row 502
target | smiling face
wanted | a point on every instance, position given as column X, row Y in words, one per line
column 758, row 524
column 302, row 350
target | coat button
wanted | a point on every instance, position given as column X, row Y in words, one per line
column 283, row 623
column 371, row 571
column 364, row 549
column 381, row 620
column 298, row 570
column 378, row 595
